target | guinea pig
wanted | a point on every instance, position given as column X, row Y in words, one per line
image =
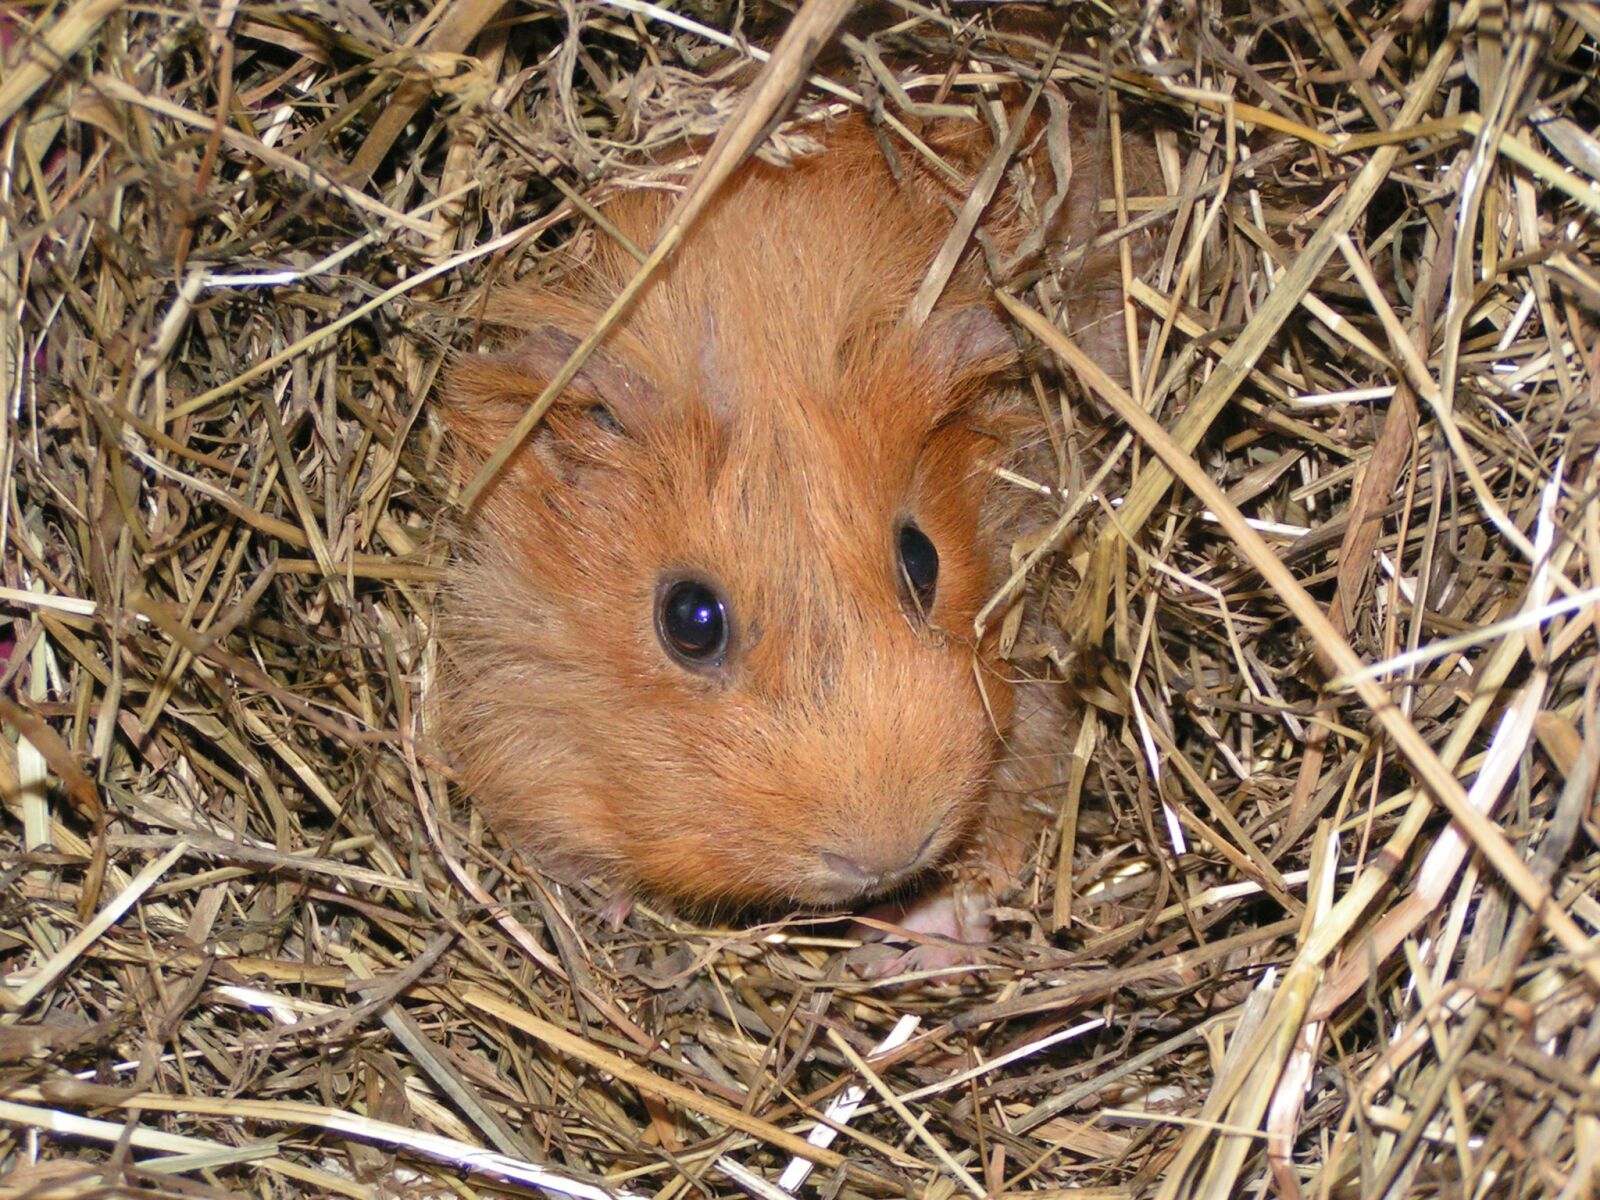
column 709, row 636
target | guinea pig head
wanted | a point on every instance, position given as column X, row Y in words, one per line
column 709, row 634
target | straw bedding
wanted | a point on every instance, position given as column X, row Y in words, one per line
column 1318, row 918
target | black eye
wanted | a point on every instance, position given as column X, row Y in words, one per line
column 602, row 416
column 692, row 623
column 919, row 565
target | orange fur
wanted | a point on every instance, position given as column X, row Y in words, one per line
column 777, row 422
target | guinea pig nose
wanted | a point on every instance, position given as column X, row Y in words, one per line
column 869, row 865
column 848, row 872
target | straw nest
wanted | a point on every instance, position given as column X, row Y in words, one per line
column 1318, row 918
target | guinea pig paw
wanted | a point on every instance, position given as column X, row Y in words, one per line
column 881, row 961
column 614, row 912
column 943, row 929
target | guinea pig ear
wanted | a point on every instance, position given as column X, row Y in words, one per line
column 487, row 393
column 618, row 397
column 967, row 344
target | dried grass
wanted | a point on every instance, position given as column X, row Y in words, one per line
column 251, row 942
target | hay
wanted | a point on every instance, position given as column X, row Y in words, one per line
column 251, row 941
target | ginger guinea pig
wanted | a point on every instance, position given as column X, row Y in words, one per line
column 709, row 635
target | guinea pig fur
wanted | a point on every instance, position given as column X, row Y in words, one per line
column 708, row 635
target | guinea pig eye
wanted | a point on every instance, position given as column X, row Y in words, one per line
column 919, row 565
column 602, row 416
column 692, row 623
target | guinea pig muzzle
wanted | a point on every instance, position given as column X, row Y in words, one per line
column 872, row 866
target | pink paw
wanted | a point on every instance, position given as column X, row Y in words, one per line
column 944, row 928
column 616, row 909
